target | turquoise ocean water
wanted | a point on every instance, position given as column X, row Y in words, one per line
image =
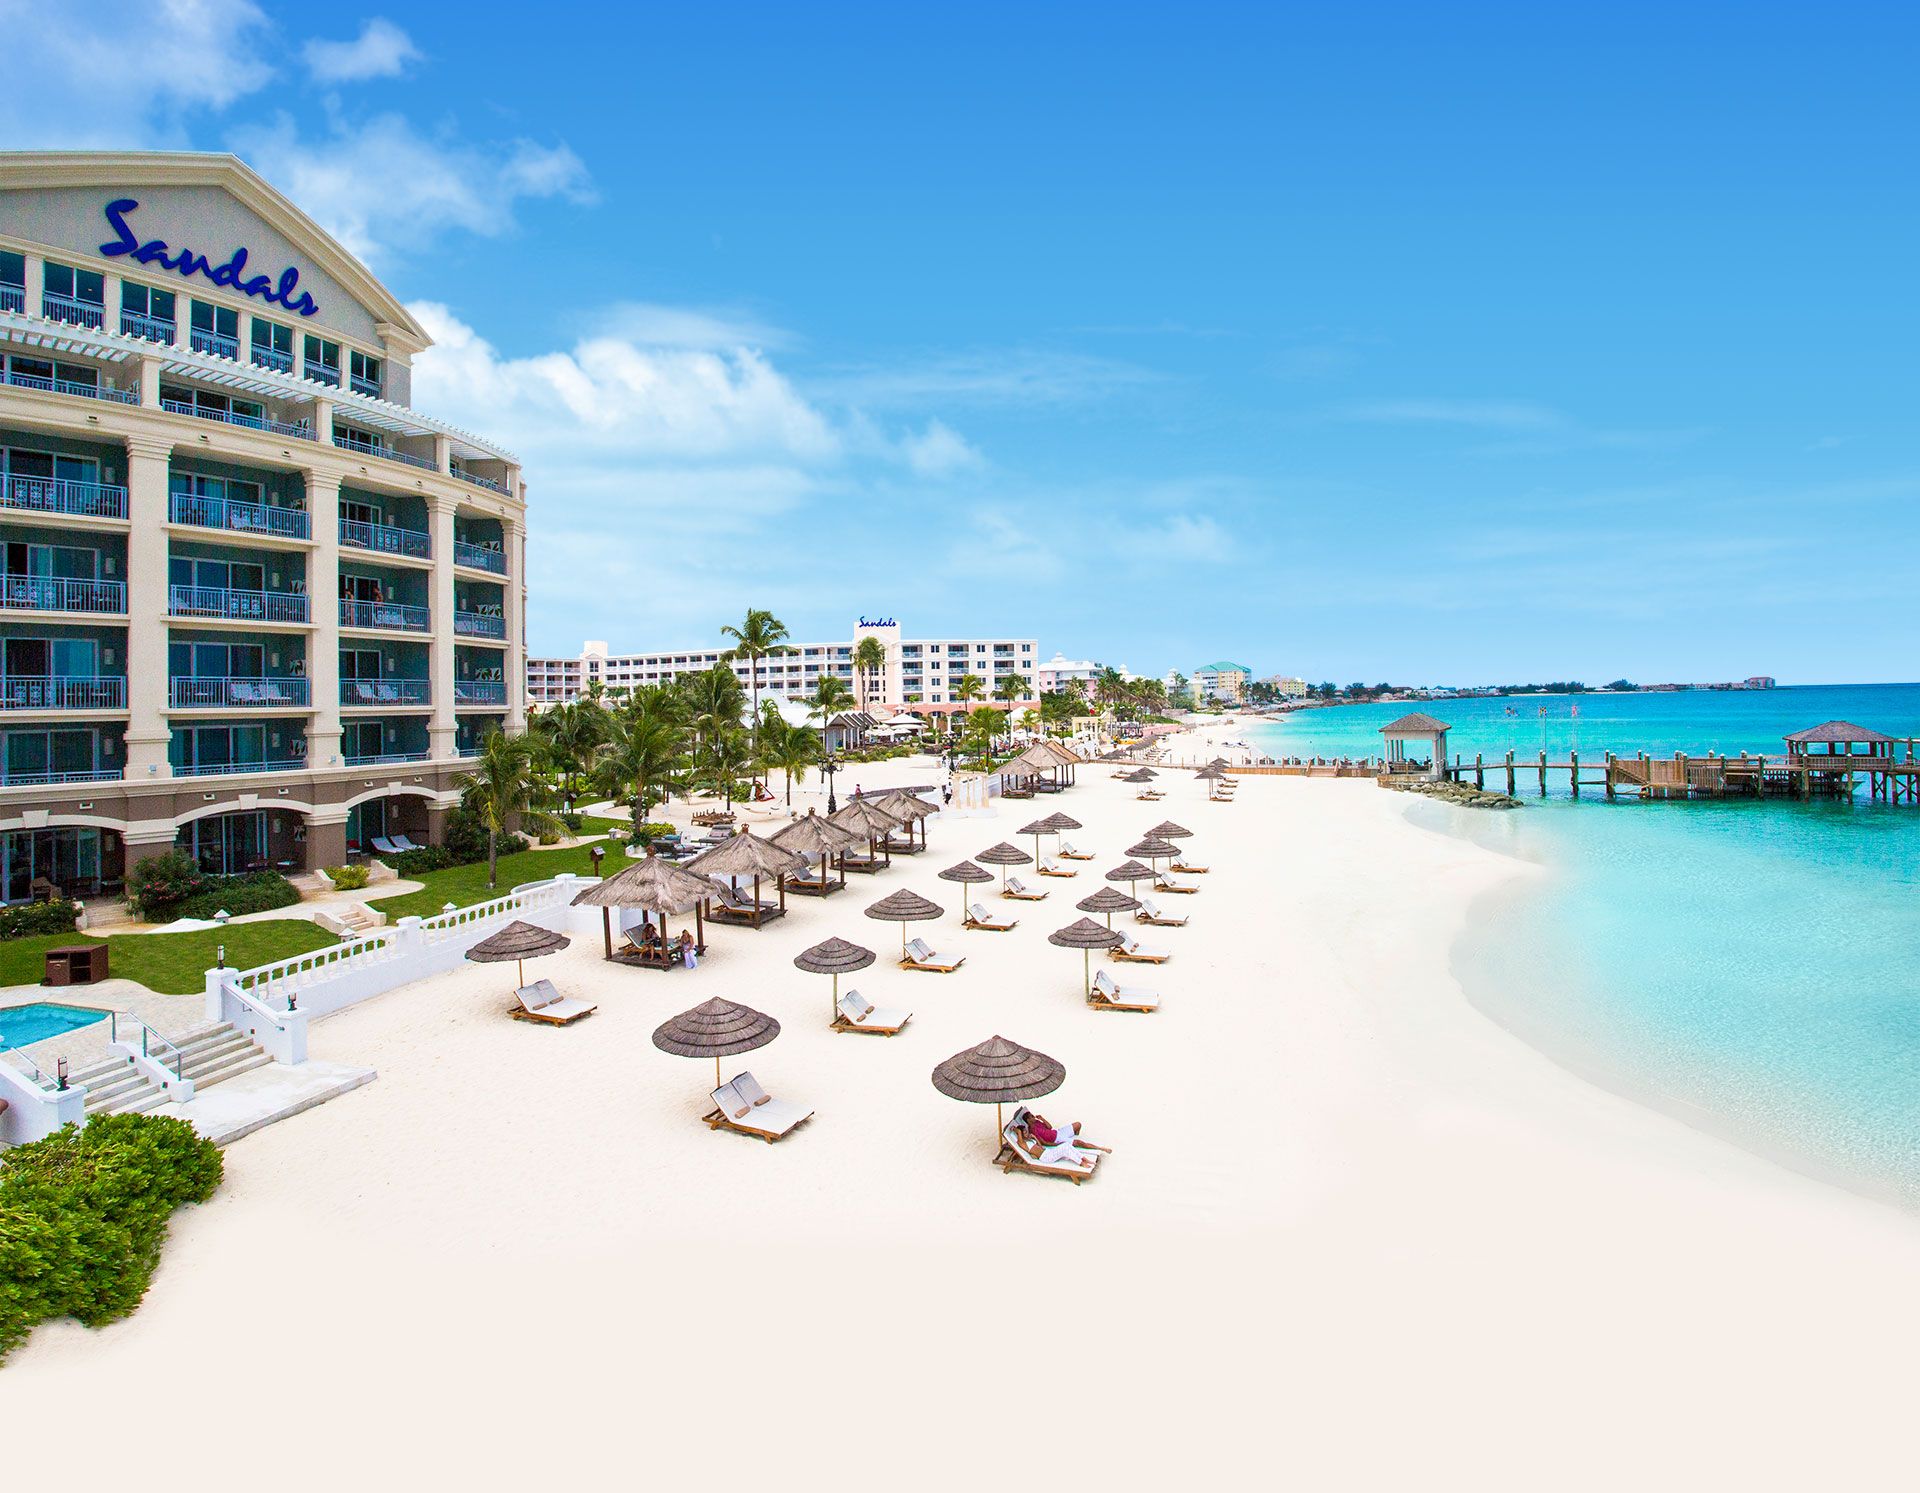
column 1751, row 967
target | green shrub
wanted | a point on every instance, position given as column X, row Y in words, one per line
column 83, row 1215
column 158, row 884
column 348, row 878
column 256, row 891
column 646, row 834
column 467, row 839
column 32, row 918
column 419, row 862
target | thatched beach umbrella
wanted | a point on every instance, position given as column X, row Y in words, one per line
column 1132, row 873
column 744, row 853
column 815, row 836
column 863, row 817
column 905, row 907
column 518, row 942
column 1108, row 900
column 1004, row 855
column 654, row 886
column 1086, row 936
column 1151, row 849
column 966, row 873
column 834, row 957
column 1166, row 829
column 715, row 1029
column 1210, row 775
column 999, row 1072
column 1059, row 824
column 1038, row 828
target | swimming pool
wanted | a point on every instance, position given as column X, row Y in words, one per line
column 20, row 1025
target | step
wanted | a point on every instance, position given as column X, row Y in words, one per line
column 100, row 1072
column 214, row 1045
column 240, row 1063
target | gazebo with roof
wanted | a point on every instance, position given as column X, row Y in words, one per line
column 1416, row 727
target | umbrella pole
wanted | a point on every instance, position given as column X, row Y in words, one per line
column 606, row 929
column 716, row 1070
column 1086, row 972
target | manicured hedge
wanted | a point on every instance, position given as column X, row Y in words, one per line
column 31, row 919
column 83, row 1215
column 347, row 878
column 257, row 891
column 411, row 863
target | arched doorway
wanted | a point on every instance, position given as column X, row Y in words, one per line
column 245, row 840
column 71, row 860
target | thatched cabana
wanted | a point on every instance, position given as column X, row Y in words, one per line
column 862, row 817
column 745, row 854
column 814, row 836
column 654, row 886
column 904, row 806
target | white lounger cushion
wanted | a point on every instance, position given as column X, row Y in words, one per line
column 1124, row 995
column 1152, row 910
column 980, row 914
column 918, row 950
column 763, row 1112
column 1138, row 950
column 854, row 1007
column 1065, row 1157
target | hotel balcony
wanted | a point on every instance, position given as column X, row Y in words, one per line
column 363, row 692
column 320, row 373
column 13, row 778
column 224, row 605
column 377, row 759
column 391, row 615
column 386, row 539
column 370, row 387
column 480, row 692
column 479, row 625
column 73, row 312
column 48, row 692
column 64, row 495
column 299, row 431
column 237, row 517
column 479, row 557
column 148, row 328
column 195, row 693
column 478, row 481
column 216, row 343
column 222, row 769
column 13, row 298
column 39, row 593
column 273, row 358
column 365, row 447
column 74, row 387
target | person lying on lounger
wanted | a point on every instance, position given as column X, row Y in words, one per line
column 1043, row 1137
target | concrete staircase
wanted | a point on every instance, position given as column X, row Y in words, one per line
column 208, row 1055
column 349, row 919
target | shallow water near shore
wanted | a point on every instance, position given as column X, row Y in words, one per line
column 1753, row 968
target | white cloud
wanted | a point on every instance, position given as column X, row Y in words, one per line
column 939, row 451
column 1024, row 377
column 382, row 50
column 1479, row 414
column 427, row 184
column 170, row 59
column 689, row 326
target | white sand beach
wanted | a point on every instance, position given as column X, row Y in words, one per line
column 1352, row 1234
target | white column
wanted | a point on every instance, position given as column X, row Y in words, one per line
column 514, row 532
column 35, row 283
column 323, row 604
column 148, row 731
column 445, row 724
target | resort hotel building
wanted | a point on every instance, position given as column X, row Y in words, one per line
column 1225, row 682
column 917, row 672
column 255, row 605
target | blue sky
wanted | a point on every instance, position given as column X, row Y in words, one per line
column 1422, row 343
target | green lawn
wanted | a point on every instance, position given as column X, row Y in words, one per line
column 465, row 885
column 171, row 963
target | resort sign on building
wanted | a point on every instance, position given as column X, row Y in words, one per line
column 230, row 273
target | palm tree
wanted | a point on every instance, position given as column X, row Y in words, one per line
column 1011, row 687
column 573, row 734
column 730, row 755
column 504, row 783
column 760, row 635
column 983, row 725
column 830, row 696
column 1109, row 688
column 645, row 743
column 969, row 687
column 869, row 657
column 792, row 749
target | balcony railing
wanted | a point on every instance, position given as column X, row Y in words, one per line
column 374, row 758
column 66, row 308
column 65, row 495
column 367, row 386
column 478, row 625
column 387, row 453
column 299, row 431
column 386, row 692
column 69, row 386
column 13, row 298
column 479, row 557
column 11, row 779
column 478, row 481
column 217, row 343
column 236, row 693
column 237, row 606
column 237, row 517
column 394, row 615
column 152, row 328
column 272, row 357
column 45, row 593
column 386, row 539
column 480, row 692
column 46, row 692
column 221, row 769
column 321, row 374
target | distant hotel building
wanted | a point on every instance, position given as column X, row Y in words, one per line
column 1058, row 672
column 255, row 606
column 1285, row 686
column 924, row 671
column 1222, row 681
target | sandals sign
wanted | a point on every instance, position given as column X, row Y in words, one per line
column 232, row 273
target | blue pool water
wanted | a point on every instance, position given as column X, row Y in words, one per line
column 1752, row 967
column 22, row 1025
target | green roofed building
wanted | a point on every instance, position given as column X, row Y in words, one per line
column 1224, row 682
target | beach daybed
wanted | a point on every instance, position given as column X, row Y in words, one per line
column 1020, row 892
column 1050, row 867
column 1135, row 952
column 1186, row 870
column 1165, row 883
column 541, row 1002
column 1068, row 853
column 1150, row 795
column 1020, row 1152
column 741, row 1104
column 919, row 956
column 1150, row 913
column 979, row 918
column 857, row 1014
column 1109, row 995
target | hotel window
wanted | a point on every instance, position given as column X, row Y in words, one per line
column 272, row 345
column 146, row 312
column 216, row 330
column 322, row 359
column 13, row 281
column 365, row 374
column 44, row 373
column 76, row 296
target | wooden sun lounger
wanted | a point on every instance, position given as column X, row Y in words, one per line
column 1075, row 1163
column 638, row 955
column 865, row 865
column 919, row 956
column 895, row 847
column 1135, row 952
column 1151, row 914
column 1185, row 870
column 854, row 1014
column 1021, row 893
column 1050, row 867
column 1149, row 796
column 384, row 846
column 807, row 886
column 978, row 918
column 542, row 1003
column 1165, row 883
column 1068, row 853
column 741, row 1104
column 1109, row 995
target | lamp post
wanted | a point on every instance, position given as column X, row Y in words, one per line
column 830, row 767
